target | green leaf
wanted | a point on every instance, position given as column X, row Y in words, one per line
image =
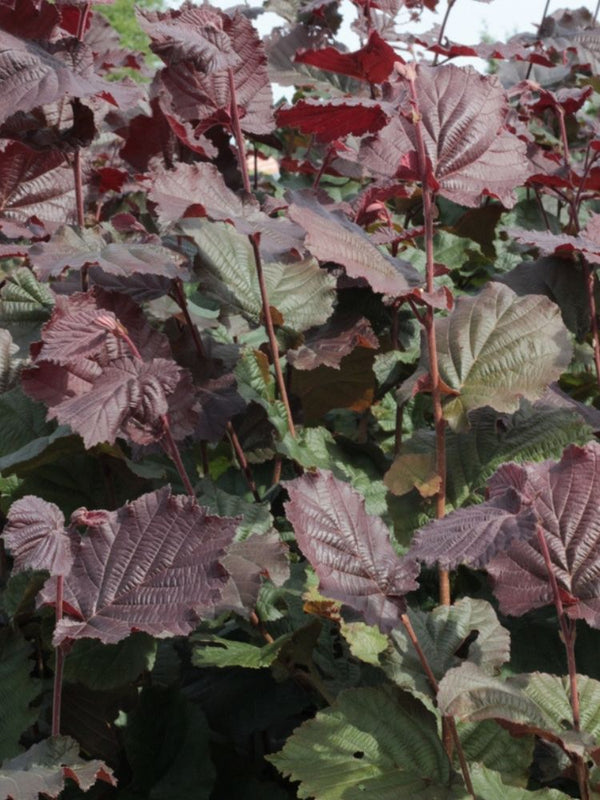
column 489, row 785
column 167, row 744
column 472, row 456
column 17, row 691
column 469, row 625
column 301, row 291
column 214, row 651
column 9, row 365
column 256, row 516
column 491, row 746
column 24, row 305
column 372, row 744
column 24, row 432
column 106, row 666
column 534, row 703
column 495, row 348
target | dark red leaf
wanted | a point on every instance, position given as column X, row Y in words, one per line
column 29, row 19
column 559, row 244
column 35, row 536
column 175, row 576
column 373, row 62
column 349, row 549
column 199, row 190
column 335, row 118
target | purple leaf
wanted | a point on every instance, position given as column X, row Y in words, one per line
column 333, row 237
column 194, row 34
column 35, row 536
column 463, row 116
column 202, row 96
column 86, row 373
column 474, row 535
column 199, row 190
column 559, row 244
column 44, row 768
column 75, row 248
column 248, row 562
column 35, row 184
column 328, row 344
column 38, row 73
column 565, row 496
column 152, row 566
column 349, row 549
column 129, row 399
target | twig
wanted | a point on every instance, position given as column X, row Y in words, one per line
column 544, row 12
column 243, row 461
column 237, row 132
column 270, row 328
column 59, row 662
column 443, row 28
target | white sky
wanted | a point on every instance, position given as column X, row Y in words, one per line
column 468, row 19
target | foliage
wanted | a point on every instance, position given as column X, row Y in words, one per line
column 281, row 381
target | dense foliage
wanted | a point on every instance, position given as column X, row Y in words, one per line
column 298, row 408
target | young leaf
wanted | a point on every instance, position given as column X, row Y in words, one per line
column 35, row 535
column 333, row 237
column 350, row 550
column 453, row 100
column 214, row 651
column 174, row 577
column 334, row 119
column 495, row 348
column 45, row 767
column 375, row 743
column 373, row 62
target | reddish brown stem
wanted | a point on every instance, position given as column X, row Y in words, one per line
column 544, row 12
column 567, row 634
column 242, row 461
column 566, row 629
column 449, row 721
column 429, row 324
column 181, row 301
column 172, row 451
column 59, row 662
column 237, row 132
column 270, row 328
column 443, row 28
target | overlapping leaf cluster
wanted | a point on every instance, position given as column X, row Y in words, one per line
column 264, row 368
